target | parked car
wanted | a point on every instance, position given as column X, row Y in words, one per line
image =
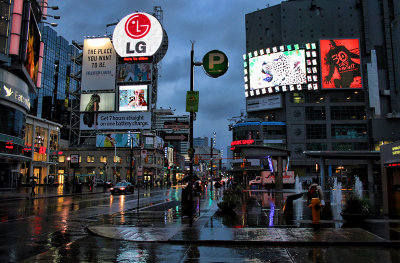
column 122, row 188
column 100, row 182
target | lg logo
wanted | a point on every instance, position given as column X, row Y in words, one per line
column 137, row 26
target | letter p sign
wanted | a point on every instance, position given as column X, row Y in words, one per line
column 215, row 63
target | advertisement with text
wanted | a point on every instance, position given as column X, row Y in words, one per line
column 340, row 64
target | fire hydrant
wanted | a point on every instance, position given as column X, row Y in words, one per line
column 316, row 210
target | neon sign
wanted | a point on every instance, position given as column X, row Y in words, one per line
column 240, row 142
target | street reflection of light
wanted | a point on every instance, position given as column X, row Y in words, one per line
column 271, row 215
column 122, row 202
column 122, row 221
column 60, row 202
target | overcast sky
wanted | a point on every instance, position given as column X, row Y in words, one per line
column 212, row 24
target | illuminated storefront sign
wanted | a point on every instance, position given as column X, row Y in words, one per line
column 15, row 90
column 137, row 34
column 240, row 142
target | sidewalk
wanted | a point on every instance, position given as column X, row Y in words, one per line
column 208, row 230
column 44, row 191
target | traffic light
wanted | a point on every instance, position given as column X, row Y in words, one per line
column 196, row 159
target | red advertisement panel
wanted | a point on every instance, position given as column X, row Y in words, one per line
column 340, row 64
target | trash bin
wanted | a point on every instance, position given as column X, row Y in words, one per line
column 78, row 188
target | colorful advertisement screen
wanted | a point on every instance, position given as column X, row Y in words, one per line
column 118, row 140
column 91, row 102
column 33, row 48
column 340, row 64
column 133, row 98
column 277, row 69
column 140, row 72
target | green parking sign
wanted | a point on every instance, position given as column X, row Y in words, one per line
column 215, row 63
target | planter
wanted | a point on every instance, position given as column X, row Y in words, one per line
column 354, row 217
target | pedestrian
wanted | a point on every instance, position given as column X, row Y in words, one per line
column 315, row 199
column 33, row 185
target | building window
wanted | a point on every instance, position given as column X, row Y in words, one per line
column 349, row 131
column 103, row 159
column 348, row 113
column 117, row 159
column 316, row 131
column 297, row 97
column 316, row 146
column 90, row 159
column 314, row 98
column 349, row 146
column 356, row 96
column 315, row 113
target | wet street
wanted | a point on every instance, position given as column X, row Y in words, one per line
column 99, row 227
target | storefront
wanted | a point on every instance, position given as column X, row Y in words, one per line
column 390, row 165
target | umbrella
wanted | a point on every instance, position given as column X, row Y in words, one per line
column 187, row 178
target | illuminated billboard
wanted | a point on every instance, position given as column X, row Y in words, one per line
column 280, row 69
column 138, row 34
column 277, row 69
column 98, row 65
column 116, row 121
column 118, row 140
column 133, row 98
column 140, row 72
column 340, row 64
column 33, row 49
column 91, row 102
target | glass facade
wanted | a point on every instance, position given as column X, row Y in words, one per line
column 52, row 99
column 12, row 122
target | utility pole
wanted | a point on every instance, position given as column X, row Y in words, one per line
column 211, row 161
column 192, row 64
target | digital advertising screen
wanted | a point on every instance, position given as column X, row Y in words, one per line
column 133, row 98
column 119, row 140
column 33, row 49
column 285, row 68
column 140, row 72
column 340, row 64
column 92, row 121
column 91, row 102
column 278, row 69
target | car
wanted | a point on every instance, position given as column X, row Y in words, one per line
column 109, row 184
column 99, row 182
column 122, row 188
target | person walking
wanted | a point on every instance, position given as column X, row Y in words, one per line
column 33, row 185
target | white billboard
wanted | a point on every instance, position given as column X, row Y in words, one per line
column 117, row 121
column 98, row 65
column 137, row 34
column 264, row 103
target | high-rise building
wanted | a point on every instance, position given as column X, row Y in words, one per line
column 321, row 83
column 53, row 100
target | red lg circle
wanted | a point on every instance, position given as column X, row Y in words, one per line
column 137, row 26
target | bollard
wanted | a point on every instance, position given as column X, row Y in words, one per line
column 316, row 210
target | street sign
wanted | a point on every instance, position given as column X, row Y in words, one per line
column 177, row 137
column 215, row 63
column 192, row 101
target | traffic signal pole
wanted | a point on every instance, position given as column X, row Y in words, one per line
column 191, row 137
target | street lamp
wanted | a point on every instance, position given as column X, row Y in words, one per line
column 68, row 162
column 44, row 17
column 51, row 24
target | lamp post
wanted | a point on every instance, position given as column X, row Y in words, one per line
column 68, row 162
